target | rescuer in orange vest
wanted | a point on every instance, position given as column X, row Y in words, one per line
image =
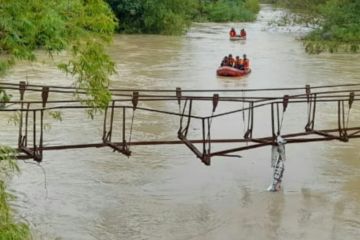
column 242, row 33
column 238, row 63
column 232, row 32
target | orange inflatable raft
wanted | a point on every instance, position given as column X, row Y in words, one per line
column 226, row 71
column 237, row 37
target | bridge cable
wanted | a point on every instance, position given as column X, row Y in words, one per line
column 135, row 100
column 250, row 121
column 209, row 120
column 178, row 96
column 351, row 100
column 243, row 113
column 180, row 131
column 311, row 108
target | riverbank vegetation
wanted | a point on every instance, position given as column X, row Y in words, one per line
column 81, row 28
column 338, row 23
column 174, row 17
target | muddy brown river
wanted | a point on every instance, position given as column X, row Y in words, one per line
column 164, row 192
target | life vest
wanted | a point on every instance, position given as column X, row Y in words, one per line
column 242, row 33
column 232, row 33
column 238, row 62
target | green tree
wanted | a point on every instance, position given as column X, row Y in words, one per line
column 167, row 16
column 80, row 26
column 153, row 16
column 131, row 13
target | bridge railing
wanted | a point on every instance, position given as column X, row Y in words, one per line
column 248, row 103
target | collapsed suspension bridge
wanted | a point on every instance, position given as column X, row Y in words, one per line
column 340, row 98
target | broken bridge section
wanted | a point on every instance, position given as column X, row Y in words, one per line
column 340, row 99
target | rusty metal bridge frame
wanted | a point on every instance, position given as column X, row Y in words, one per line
column 344, row 96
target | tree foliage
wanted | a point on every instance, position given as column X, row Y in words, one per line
column 92, row 68
column 153, row 16
column 4, row 98
column 54, row 26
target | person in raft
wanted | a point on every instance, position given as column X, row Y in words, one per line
column 225, row 61
column 232, row 32
column 246, row 62
column 238, row 63
column 242, row 33
column 231, row 61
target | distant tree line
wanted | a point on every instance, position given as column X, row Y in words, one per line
column 174, row 16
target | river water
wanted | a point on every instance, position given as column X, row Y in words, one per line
column 164, row 192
